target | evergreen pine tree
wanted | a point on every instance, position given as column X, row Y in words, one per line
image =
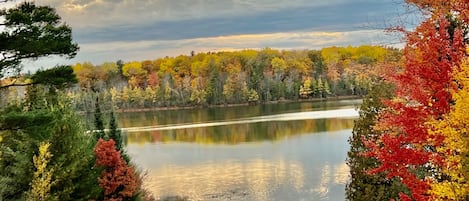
column 364, row 186
column 98, row 121
column 116, row 134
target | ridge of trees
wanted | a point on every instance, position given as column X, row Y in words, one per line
column 247, row 76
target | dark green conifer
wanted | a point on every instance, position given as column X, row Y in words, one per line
column 363, row 186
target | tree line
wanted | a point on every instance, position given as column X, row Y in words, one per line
column 247, row 76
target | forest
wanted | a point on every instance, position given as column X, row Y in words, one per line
column 218, row 78
column 410, row 142
column 248, row 76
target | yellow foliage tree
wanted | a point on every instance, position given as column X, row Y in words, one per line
column 453, row 184
column 135, row 73
column 42, row 178
column 305, row 89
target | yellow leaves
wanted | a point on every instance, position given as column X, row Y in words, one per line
column 197, row 68
column 77, row 67
column 278, row 64
column 115, row 95
column 448, row 191
column 133, row 69
column 347, row 54
column 42, row 178
column 151, row 94
column 455, row 148
column 305, row 89
column 198, row 96
column 135, row 72
column 167, row 65
column 110, row 67
column 233, row 68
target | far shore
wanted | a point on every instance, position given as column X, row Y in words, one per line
column 350, row 97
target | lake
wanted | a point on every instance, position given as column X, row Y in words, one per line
column 284, row 151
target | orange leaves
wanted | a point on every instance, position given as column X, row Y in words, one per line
column 444, row 7
column 135, row 72
column 118, row 180
column 406, row 150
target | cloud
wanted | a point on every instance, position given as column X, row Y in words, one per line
column 170, row 10
column 98, row 53
column 108, row 30
column 129, row 20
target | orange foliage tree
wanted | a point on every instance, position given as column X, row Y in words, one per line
column 406, row 150
column 118, row 180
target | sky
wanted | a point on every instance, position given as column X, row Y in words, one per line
column 136, row 30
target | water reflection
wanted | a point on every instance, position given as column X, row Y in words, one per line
column 201, row 115
column 306, row 167
column 240, row 133
column 293, row 158
column 229, row 180
column 338, row 113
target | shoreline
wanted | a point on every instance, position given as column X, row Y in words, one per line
column 350, row 97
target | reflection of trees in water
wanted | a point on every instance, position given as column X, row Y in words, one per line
column 240, row 133
column 252, row 179
column 337, row 174
column 198, row 115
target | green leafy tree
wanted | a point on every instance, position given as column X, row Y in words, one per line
column 116, row 134
column 73, row 158
column 15, row 163
column 98, row 121
column 23, row 128
column 59, row 77
column 31, row 32
column 365, row 186
column 213, row 90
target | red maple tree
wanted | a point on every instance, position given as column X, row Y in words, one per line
column 444, row 7
column 406, row 150
column 118, row 179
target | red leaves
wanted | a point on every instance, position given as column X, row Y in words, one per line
column 443, row 7
column 118, row 180
column 406, row 150
column 106, row 155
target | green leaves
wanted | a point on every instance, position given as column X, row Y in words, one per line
column 364, row 186
column 31, row 32
column 60, row 77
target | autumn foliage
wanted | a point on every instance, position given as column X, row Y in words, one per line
column 245, row 76
column 409, row 149
column 452, row 181
column 118, row 180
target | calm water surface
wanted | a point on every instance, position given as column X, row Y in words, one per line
column 293, row 151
